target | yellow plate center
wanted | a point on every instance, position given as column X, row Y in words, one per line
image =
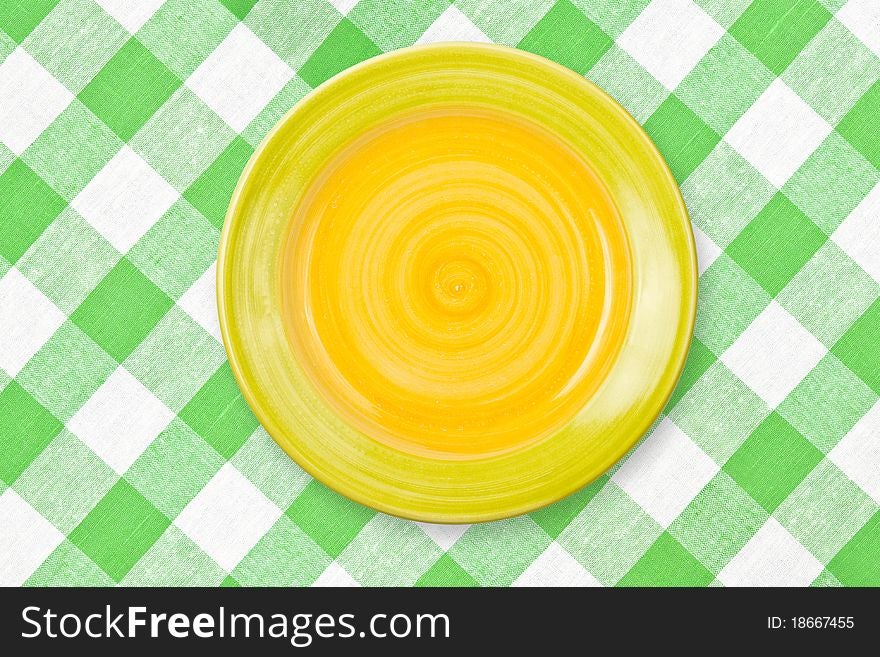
column 456, row 282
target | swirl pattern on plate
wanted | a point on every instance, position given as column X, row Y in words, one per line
column 456, row 282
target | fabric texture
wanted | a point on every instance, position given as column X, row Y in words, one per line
column 127, row 454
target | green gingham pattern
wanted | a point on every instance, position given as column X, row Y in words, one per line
column 127, row 454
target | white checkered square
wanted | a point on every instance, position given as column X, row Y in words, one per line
column 858, row 453
column 556, row 567
column 859, row 234
column 228, row 517
column 343, row 6
column 772, row 557
column 125, row 199
column 443, row 535
column 27, row 320
column 131, row 14
column 773, row 354
column 778, row 133
column 30, row 99
column 862, row 18
column 26, row 540
column 668, row 39
column 200, row 301
column 239, row 78
column 665, row 472
column 335, row 576
column 707, row 250
column 120, row 420
column 452, row 25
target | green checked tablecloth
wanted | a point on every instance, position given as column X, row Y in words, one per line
column 127, row 454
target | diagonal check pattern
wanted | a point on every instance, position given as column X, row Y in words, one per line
column 127, row 454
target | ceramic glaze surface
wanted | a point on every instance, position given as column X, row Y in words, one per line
column 456, row 282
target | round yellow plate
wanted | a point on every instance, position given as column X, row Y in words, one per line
column 456, row 282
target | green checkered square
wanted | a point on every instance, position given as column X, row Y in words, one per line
column 129, row 89
column 345, row 46
column 122, row 310
column 628, row 83
column 777, row 30
column 119, row 530
column 776, row 244
column 446, row 572
column 329, row 518
column 718, row 522
column 566, row 36
column 177, row 249
column 27, row 428
column 682, row 137
column 54, row 264
column 834, row 165
column 74, row 148
column 556, row 517
column 219, row 413
column 772, row 462
column 211, row 192
column 719, row 412
column 827, row 403
column 667, row 563
column 19, row 17
column 66, row 371
column 174, row 468
column 74, row 41
column 394, row 24
column 858, row 125
column 51, row 484
column 175, row 359
column 285, row 556
column 609, row 555
column 726, row 82
column 496, row 554
column 174, row 560
column 182, row 33
column 856, row 564
column 389, row 552
column 239, row 7
column 68, row 566
column 859, row 348
column 825, row 511
column 199, row 133
column 27, row 206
